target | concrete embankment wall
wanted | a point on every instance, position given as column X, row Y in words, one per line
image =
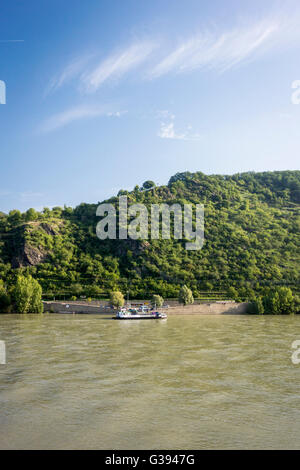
column 213, row 308
column 72, row 307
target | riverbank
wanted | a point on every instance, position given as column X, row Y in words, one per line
column 211, row 308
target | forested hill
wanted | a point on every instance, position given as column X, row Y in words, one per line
column 251, row 241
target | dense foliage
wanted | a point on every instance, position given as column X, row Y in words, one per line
column 280, row 301
column 25, row 296
column 5, row 298
column 251, row 242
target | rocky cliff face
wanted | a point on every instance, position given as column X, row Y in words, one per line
column 28, row 256
column 20, row 249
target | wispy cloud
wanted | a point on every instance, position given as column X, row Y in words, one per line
column 74, row 114
column 224, row 49
column 211, row 48
column 72, row 70
column 117, row 65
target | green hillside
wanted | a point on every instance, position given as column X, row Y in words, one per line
column 251, row 242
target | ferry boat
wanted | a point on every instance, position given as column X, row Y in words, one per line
column 142, row 313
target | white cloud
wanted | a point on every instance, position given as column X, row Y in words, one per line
column 210, row 48
column 116, row 113
column 72, row 70
column 74, row 114
column 225, row 49
column 167, row 130
column 117, row 65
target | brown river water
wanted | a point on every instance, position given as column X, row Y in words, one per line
column 188, row 382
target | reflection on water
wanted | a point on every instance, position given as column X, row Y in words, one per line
column 197, row 382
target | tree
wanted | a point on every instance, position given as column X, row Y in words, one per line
column 116, row 299
column 286, row 300
column 94, row 291
column 279, row 301
column 47, row 212
column 14, row 216
column 31, row 215
column 148, row 184
column 27, row 295
column 297, row 304
column 272, row 303
column 157, row 301
column 257, row 307
column 77, row 289
column 36, row 299
column 186, row 296
column 233, row 293
column 122, row 192
column 5, row 300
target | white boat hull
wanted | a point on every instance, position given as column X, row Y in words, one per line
column 154, row 316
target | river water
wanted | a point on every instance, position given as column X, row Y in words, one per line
column 188, row 382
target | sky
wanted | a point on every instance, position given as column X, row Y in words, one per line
column 106, row 94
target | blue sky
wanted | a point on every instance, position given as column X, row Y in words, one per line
column 105, row 94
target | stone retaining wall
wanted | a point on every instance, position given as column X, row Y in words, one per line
column 61, row 307
column 213, row 308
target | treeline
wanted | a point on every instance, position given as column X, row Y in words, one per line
column 252, row 228
column 26, row 297
column 279, row 301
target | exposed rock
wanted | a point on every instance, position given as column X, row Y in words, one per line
column 48, row 228
column 136, row 246
column 28, row 256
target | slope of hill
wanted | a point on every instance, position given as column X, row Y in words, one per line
column 251, row 241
